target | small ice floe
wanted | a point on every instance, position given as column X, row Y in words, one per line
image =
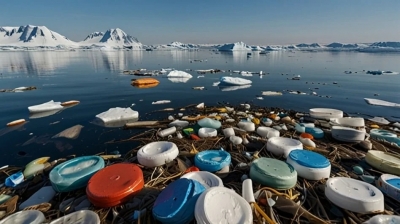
column 259, row 98
column 198, row 88
column 379, row 120
column 216, row 83
column 271, row 93
column 200, row 76
column 296, row 77
column 161, row 102
column 235, row 71
column 381, row 103
column 335, row 83
column 132, row 105
column 48, row 106
column 200, row 106
column 246, row 73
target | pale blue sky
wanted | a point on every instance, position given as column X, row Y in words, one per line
column 214, row 21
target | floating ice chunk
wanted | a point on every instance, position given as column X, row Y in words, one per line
column 48, row 106
column 271, row 93
column 381, row 102
column 179, row 74
column 379, row 120
column 118, row 114
column 161, row 102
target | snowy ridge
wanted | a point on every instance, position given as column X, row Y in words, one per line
column 175, row 46
column 112, row 39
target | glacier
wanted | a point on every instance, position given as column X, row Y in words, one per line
column 31, row 37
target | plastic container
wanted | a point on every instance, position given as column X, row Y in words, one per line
column 35, row 166
column 389, row 185
column 325, row 113
column 383, row 219
column 283, row 146
column 222, row 205
column 315, row 132
column 212, row 160
column 75, row 173
column 347, row 134
column 309, row 165
column 228, row 132
column 273, row 173
column 354, row 195
column 157, row 153
column 207, row 132
column 267, row 132
column 209, row 123
column 45, row 194
column 176, row 203
column 247, row 126
column 205, row 178
column 167, row 131
column 79, row 217
column 179, row 123
column 115, row 185
column 236, row 140
column 25, row 217
column 266, row 121
column 14, row 179
column 383, row 161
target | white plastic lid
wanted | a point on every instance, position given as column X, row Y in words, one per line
column 222, row 205
column 206, row 178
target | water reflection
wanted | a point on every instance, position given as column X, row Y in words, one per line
column 44, row 113
column 35, row 62
column 114, row 124
column 233, row 88
column 179, row 80
column 116, row 60
column 238, row 56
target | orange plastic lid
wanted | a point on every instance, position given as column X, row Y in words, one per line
column 306, row 135
column 114, row 184
column 192, row 169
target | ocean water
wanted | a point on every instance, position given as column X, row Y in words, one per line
column 95, row 78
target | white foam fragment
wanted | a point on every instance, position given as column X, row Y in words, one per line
column 381, row 103
column 118, row 114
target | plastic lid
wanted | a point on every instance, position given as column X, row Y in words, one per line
column 115, row 184
column 25, row 217
column 274, row 173
column 176, row 203
column 207, row 179
column 212, row 160
column 222, row 205
column 309, row 159
column 157, row 153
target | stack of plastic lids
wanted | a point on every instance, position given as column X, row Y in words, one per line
column 25, row 217
column 222, row 205
column 176, row 203
column 273, row 173
column 282, row 146
column 354, row 195
column 390, row 185
column 79, row 217
column 157, row 153
column 75, row 173
column 207, row 179
column 212, row 160
column 115, row 185
column 309, row 165
column 383, row 161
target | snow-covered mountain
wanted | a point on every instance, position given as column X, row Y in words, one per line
column 32, row 36
column 313, row 45
column 382, row 47
column 112, row 38
column 238, row 46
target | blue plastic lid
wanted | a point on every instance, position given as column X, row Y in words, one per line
column 212, row 160
column 309, row 159
column 394, row 182
column 14, row 179
column 315, row 132
column 176, row 203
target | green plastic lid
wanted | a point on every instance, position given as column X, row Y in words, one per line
column 273, row 173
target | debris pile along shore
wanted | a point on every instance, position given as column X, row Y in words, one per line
column 247, row 139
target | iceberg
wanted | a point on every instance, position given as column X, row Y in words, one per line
column 238, row 46
column 381, row 103
column 179, row 74
column 118, row 114
column 234, row 81
column 48, row 106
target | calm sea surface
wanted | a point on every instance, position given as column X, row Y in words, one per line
column 95, row 78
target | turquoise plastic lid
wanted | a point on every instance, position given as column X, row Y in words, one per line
column 212, row 160
column 315, row 132
column 394, row 182
column 309, row 159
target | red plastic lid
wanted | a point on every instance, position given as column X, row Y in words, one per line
column 306, row 135
column 114, row 185
column 192, row 169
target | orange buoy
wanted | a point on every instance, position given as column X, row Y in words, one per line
column 192, row 169
column 16, row 122
column 114, row 185
column 70, row 103
column 145, row 81
column 306, row 135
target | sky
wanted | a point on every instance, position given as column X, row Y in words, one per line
column 256, row 22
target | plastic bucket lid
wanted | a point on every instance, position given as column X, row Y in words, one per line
column 25, row 217
column 212, row 160
column 157, row 153
column 283, row 146
column 207, row 179
column 79, row 217
column 176, row 203
column 115, row 184
column 309, row 159
column 273, row 173
column 222, row 205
